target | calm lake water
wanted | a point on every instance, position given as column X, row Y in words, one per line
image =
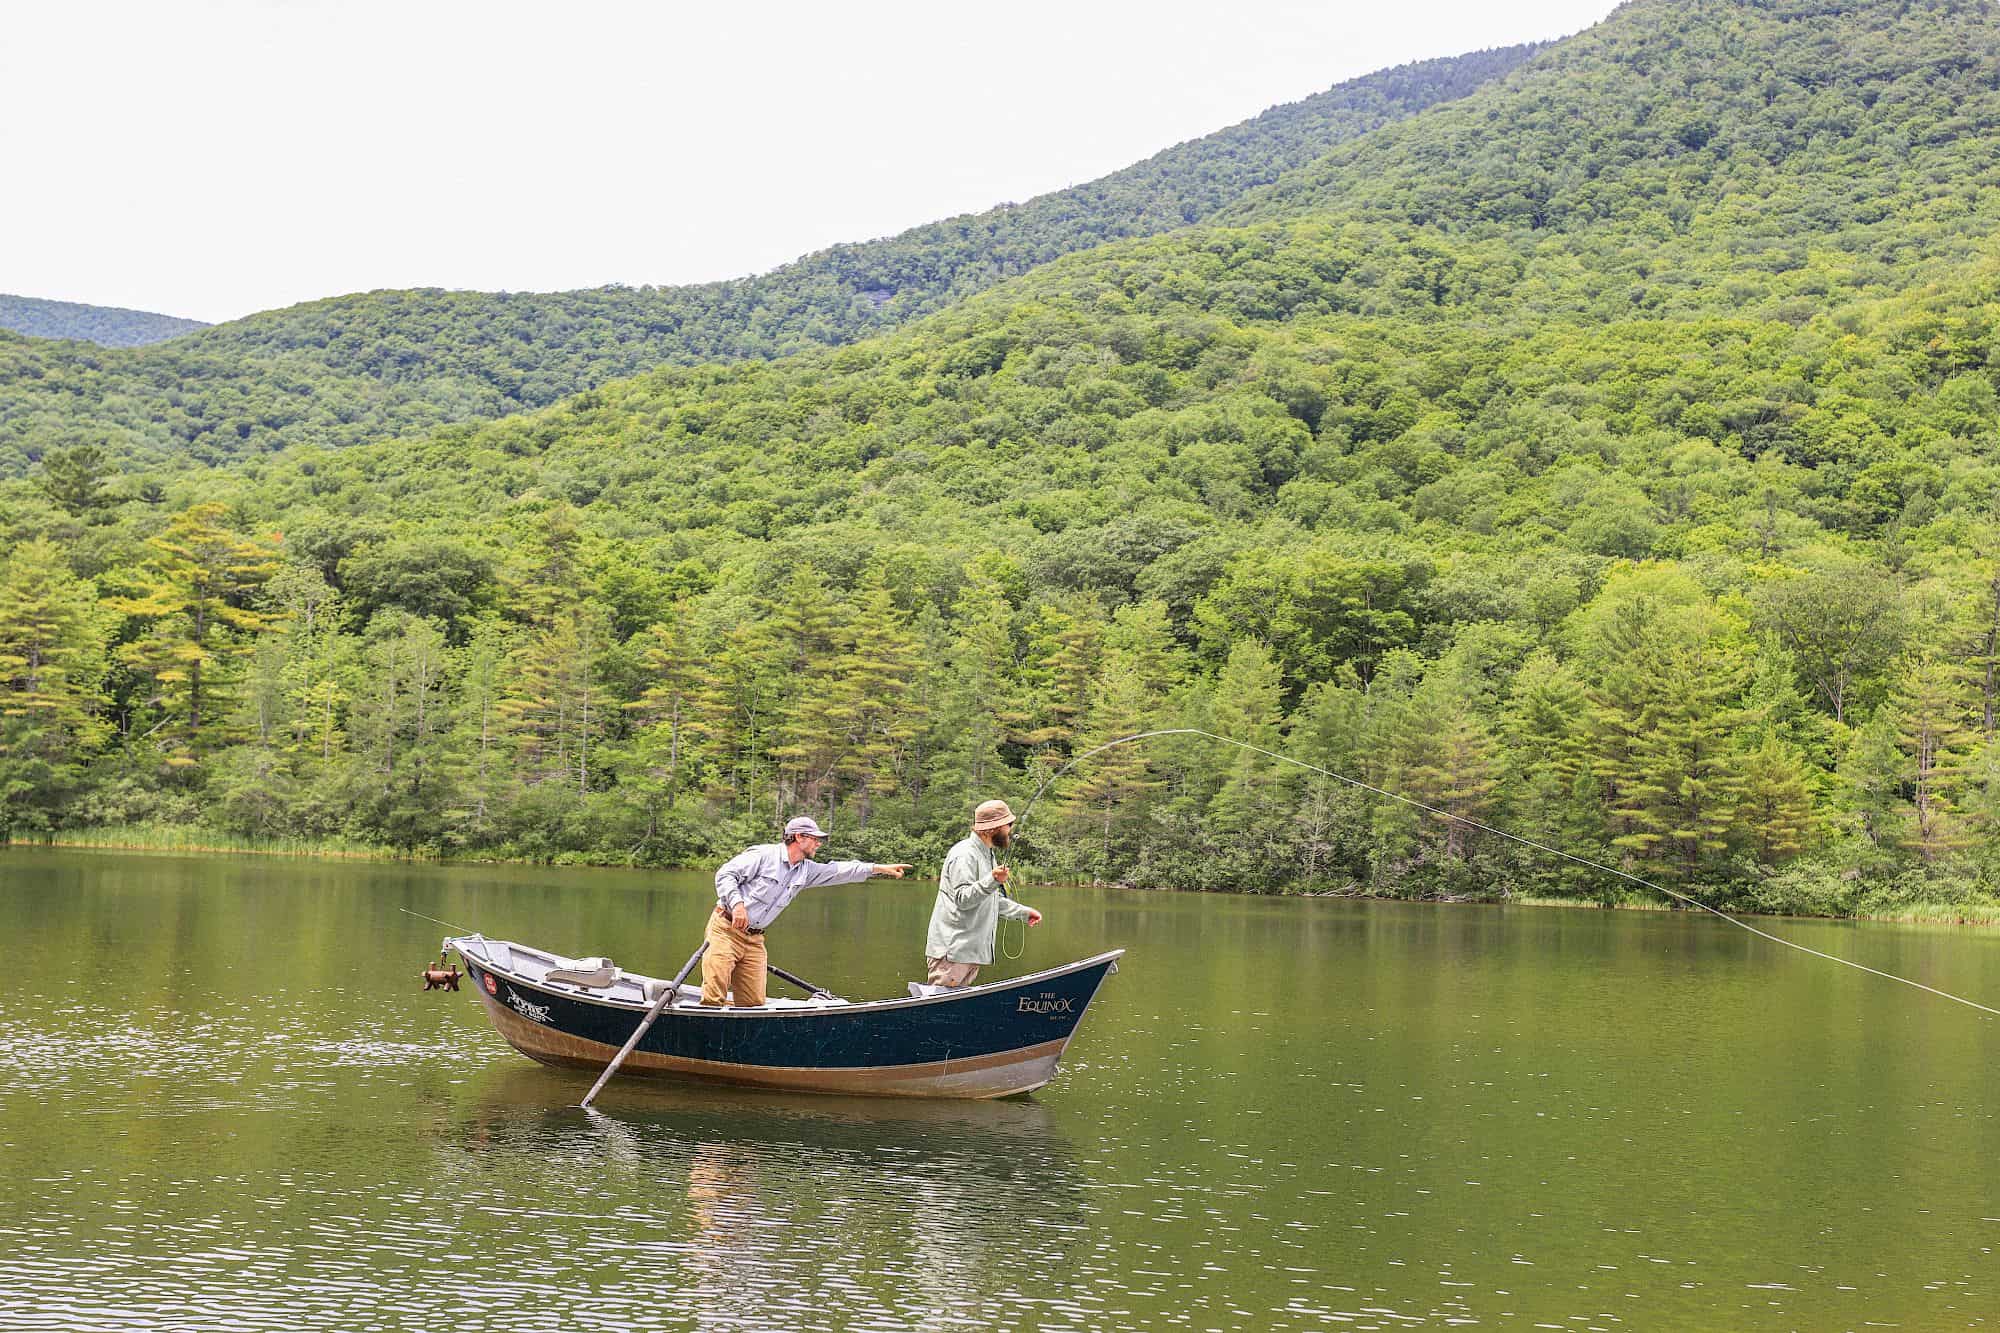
column 225, row 1103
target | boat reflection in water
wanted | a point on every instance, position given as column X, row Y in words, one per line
column 753, row 1210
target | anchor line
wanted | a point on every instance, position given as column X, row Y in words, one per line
column 1500, row 833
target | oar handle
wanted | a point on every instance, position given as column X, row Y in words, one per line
column 659, row 1005
column 801, row 982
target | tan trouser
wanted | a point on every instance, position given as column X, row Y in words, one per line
column 734, row 962
column 944, row 972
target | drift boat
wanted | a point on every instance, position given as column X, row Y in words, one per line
column 994, row 1040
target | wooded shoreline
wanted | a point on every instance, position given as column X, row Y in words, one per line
column 205, row 842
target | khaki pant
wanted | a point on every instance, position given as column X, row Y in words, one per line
column 944, row 972
column 734, row 962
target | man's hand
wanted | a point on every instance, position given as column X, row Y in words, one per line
column 741, row 916
column 999, row 874
column 894, row 871
column 1034, row 917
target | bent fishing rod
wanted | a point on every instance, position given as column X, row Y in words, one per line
column 1499, row 833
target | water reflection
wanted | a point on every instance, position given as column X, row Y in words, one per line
column 1280, row 1116
column 748, row 1211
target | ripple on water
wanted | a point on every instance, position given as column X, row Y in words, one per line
column 1369, row 1153
column 174, row 1063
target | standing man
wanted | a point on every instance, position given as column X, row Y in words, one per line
column 970, row 901
column 750, row 890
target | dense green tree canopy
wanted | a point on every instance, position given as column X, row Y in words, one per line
column 1387, row 472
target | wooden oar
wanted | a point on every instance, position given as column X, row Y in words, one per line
column 659, row 1005
column 800, row 982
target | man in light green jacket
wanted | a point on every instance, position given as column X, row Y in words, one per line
column 970, row 901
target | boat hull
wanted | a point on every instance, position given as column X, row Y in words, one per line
column 987, row 1041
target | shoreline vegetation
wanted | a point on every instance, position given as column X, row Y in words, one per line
column 1973, row 910
column 1631, row 481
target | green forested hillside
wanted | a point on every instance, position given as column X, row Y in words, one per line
column 1702, row 155
column 1709, row 588
column 107, row 326
column 362, row 367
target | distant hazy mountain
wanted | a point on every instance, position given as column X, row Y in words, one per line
column 361, row 367
column 105, row 325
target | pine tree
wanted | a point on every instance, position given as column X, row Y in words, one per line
column 1247, row 706
column 1777, row 803
column 870, row 700
column 1985, row 654
column 1142, row 633
column 975, row 709
column 483, row 780
column 1543, row 724
column 1446, row 757
column 1105, row 790
column 52, row 667
column 1681, row 783
column 801, row 642
column 734, row 698
column 1065, row 645
column 1871, row 782
column 1932, row 730
column 1661, row 721
column 931, row 635
column 1549, row 791
column 1331, row 728
column 663, row 712
column 557, row 703
column 196, row 588
column 74, row 479
column 404, row 766
column 549, row 576
column 308, row 616
column 1973, row 625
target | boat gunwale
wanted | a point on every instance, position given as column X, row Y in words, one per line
column 579, row 993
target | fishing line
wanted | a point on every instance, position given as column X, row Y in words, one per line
column 463, row 930
column 1018, row 935
column 1501, row 833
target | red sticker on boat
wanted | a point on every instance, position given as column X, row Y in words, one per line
column 492, row 986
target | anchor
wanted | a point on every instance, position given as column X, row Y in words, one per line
column 437, row 977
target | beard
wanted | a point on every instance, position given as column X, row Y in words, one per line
column 1002, row 837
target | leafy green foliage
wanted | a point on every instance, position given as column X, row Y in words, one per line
column 1403, row 483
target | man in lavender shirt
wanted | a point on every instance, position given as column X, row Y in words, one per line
column 750, row 890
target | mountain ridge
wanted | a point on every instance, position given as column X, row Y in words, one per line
column 106, row 326
column 350, row 368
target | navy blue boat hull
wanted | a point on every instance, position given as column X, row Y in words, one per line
column 985, row 1041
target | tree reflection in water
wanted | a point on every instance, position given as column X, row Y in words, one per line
column 747, row 1210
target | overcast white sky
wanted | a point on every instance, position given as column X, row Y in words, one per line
column 209, row 158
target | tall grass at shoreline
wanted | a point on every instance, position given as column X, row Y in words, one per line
column 1975, row 913
column 158, row 838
